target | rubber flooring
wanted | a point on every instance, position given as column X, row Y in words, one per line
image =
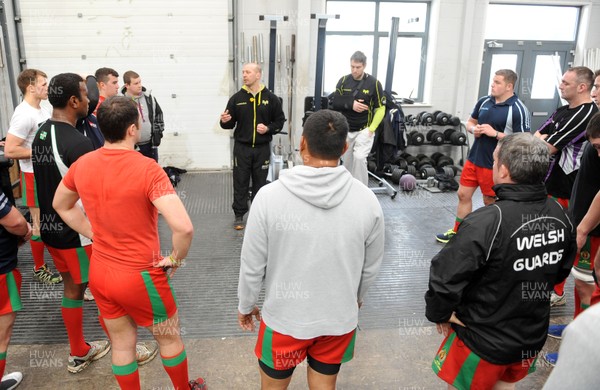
column 206, row 287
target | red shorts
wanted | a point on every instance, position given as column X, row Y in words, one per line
column 564, row 202
column 10, row 292
column 282, row 352
column 584, row 261
column 474, row 176
column 75, row 261
column 28, row 190
column 146, row 296
column 458, row 366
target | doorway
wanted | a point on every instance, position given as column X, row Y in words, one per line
column 538, row 64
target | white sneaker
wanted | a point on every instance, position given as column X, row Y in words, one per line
column 87, row 295
column 11, row 381
column 557, row 300
column 145, row 352
column 98, row 349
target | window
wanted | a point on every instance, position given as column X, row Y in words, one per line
column 365, row 26
column 563, row 19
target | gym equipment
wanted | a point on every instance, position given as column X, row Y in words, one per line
column 458, row 138
column 435, row 137
column 426, row 172
column 272, row 44
column 441, row 118
column 397, row 174
column 426, row 118
column 322, row 23
column 416, row 138
column 408, row 182
column 443, row 161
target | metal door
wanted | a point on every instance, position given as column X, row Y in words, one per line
column 540, row 66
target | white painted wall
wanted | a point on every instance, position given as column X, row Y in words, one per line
column 143, row 35
column 179, row 48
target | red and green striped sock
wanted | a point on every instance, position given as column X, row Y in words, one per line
column 177, row 368
column 457, row 222
column 127, row 376
column 72, row 313
column 2, row 363
column 37, row 251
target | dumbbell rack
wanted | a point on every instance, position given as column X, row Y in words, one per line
column 428, row 135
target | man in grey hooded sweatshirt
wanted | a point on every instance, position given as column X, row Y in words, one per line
column 316, row 267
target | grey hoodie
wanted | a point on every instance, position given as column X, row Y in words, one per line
column 315, row 237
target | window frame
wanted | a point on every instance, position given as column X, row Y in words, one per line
column 377, row 35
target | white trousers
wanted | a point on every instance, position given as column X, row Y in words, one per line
column 355, row 158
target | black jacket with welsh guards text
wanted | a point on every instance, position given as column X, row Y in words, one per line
column 499, row 270
column 248, row 110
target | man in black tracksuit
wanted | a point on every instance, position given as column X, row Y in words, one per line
column 492, row 282
column 256, row 114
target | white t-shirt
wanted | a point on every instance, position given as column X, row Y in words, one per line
column 24, row 124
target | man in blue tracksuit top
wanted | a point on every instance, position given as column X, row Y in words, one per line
column 494, row 116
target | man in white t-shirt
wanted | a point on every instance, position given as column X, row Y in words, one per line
column 26, row 120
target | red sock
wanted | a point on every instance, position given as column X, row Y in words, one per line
column 456, row 223
column 177, row 368
column 37, row 251
column 127, row 376
column 559, row 288
column 2, row 363
column 72, row 313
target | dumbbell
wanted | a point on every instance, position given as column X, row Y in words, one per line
column 448, row 133
column 411, row 170
column 441, row 118
column 411, row 160
column 401, row 163
column 448, row 170
column 408, row 120
column 458, row 138
column 444, row 161
column 416, row 138
column 424, row 162
column 435, row 137
column 426, row 118
column 455, row 121
column 435, row 156
column 397, row 174
column 426, row 172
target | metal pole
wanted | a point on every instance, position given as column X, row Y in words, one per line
column 322, row 20
column 392, row 55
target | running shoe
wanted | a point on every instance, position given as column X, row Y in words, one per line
column 551, row 358
column 44, row 275
column 238, row 223
column 445, row 237
column 87, row 295
column 557, row 300
column 97, row 350
column 556, row 331
column 11, row 381
column 145, row 352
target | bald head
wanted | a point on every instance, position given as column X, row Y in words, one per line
column 251, row 73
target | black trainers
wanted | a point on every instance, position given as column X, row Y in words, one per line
column 238, row 223
column 12, row 380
